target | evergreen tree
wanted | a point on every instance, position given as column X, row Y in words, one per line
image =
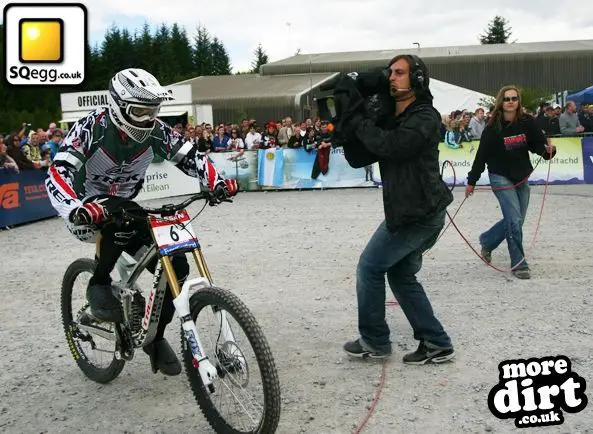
column 182, row 51
column 143, row 46
column 164, row 65
column 261, row 58
column 498, row 32
column 202, row 55
column 127, row 48
column 221, row 64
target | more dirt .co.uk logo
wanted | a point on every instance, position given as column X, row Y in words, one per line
column 535, row 391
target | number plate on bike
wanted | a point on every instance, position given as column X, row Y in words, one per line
column 173, row 233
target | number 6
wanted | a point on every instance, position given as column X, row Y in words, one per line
column 173, row 234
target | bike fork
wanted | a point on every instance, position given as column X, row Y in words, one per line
column 200, row 360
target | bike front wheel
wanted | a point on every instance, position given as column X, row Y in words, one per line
column 245, row 398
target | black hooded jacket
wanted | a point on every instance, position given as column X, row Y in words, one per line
column 406, row 147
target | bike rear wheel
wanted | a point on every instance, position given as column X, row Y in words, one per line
column 235, row 366
column 75, row 337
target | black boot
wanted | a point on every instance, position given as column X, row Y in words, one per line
column 104, row 305
column 162, row 357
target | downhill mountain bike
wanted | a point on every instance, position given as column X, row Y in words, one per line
column 220, row 375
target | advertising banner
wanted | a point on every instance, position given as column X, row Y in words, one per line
column 300, row 170
column 566, row 167
column 588, row 159
column 242, row 167
column 23, row 197
column 165, row 180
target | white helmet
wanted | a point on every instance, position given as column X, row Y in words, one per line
column 135, row 98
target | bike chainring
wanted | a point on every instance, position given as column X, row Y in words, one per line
column 125, row 342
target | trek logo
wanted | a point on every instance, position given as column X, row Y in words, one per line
column 9, row 195
column 56, row 193
column 535, row 391
column 115, row 180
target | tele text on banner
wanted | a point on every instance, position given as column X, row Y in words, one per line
column 23, row 197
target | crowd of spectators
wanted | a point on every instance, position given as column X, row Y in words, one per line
column 30, row 149
column 308, row 134
column 464, row 126
column 34, row 149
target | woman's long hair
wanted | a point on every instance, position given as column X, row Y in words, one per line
column 498, row 113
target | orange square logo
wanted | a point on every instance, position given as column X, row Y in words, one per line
column 41, row 40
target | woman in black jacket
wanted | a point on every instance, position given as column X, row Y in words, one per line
column 504, row 146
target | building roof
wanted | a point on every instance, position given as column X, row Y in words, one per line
column 319, row 60
column 253, row 87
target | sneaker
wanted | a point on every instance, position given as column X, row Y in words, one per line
column 103, row 304
column 162, row 357
column 424, row 354
column 486, row 254
column 522, row 273
column 355, row 349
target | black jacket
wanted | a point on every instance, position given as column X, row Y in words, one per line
column 406, row 147
column 506, row 150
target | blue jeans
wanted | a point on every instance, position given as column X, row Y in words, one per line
column 399, row 255
column 513, row 204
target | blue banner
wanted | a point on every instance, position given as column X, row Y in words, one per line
column 23, row 197
column 588, row 159
column 299, row 169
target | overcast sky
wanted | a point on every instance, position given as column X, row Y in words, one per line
column 345, row 25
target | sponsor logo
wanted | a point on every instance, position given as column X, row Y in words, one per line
column 535, row 392
column 9, row 195
column 45, row 43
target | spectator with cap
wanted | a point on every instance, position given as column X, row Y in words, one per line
column 270, row 136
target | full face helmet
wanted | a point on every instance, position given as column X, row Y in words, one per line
column 135, row 98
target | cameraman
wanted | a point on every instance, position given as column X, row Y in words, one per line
column 405, row 143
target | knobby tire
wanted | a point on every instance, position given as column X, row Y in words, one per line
column 234, row 307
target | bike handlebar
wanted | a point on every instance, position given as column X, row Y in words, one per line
column 165, row 210
column 170, row 209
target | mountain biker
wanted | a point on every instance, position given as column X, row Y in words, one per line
column 101, row 166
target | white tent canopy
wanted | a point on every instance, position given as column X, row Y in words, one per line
column 448, row 97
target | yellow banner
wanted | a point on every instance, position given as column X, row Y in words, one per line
column 566, row 167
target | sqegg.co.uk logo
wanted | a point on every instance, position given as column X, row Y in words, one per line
column 45, row 43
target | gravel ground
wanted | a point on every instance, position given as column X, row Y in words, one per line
column 291, row 257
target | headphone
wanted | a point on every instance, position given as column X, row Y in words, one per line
column 417, row 77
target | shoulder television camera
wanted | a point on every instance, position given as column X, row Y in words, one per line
column 373, row 86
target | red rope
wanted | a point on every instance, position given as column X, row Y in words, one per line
column 541, row 211
column 376, row 397
column 379, row 389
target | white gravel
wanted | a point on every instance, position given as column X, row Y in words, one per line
column 291, row 257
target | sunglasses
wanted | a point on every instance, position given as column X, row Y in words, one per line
column 511, row 98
